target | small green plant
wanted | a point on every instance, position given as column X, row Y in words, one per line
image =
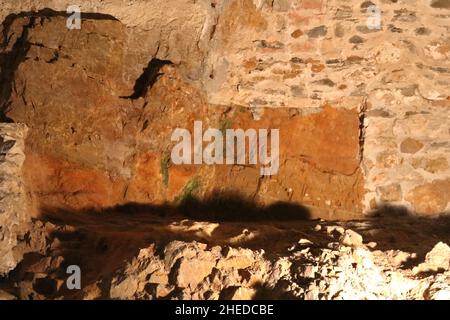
column 165, row 169
column 188, row 191
column 225, row 124
column 239, row 109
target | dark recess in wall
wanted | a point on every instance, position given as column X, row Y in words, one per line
column 148, row 78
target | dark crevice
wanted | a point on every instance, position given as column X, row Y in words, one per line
column 48, row 13
column 362, row 130
column 148, row 78
column 54, row 58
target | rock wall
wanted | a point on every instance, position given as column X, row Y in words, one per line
column 300, row 54
column 14, row 213
column 363, row 113
column 101, row 140
column 189, row 271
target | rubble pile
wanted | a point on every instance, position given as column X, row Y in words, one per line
column 345, row 269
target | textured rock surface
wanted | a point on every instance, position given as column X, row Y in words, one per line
column 308, row 272
column 165, row 258
column 363, row 115
column 304, row 58
column 17, row 233
column 13, row 214
column 111, row 149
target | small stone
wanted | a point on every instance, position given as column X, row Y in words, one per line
column 312, row 293
column 389, row 159
column 422, row 31
column 92, row 291
column 378, row 113
column 365, row 5
column 364, row 29
column 325, row 82
column 433, row 165
column 41, row 266
column 351, row 239
column 318, row 227
column 440, row 4
column 409, row 91
column 163, row 290
column 297, row 91
column 339, row 30
column 249, row 278
column 437, row 260
column 304, row 242
column 6, row 296
column 123, row 288
column 404, row 15
column 318, row 67
column 56, row 262
column 159, row 277
column 372, row 245
column 282, row 5
column 356, row 39
column 237, row 293
column 177, row 249
column 430, row 198
column 237, row 262
column 308, row 271
column 26, row 291
column 395, row 29
column 391, row 192
column 270, row 45
column 192, row 271
column 331, row 230
column 439, row 289
column 410, row 145
column 60, row 283
column 441, row 295
column 343, row 13
column 397, row 257
column 297, row 33
column 297, row 60
column 317, row 32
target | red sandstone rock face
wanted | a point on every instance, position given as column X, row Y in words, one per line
column 91, row 146
column 71, row 102
column 319, row 157
column 54, row 182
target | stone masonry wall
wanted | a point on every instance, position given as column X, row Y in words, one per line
column 300, row 54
